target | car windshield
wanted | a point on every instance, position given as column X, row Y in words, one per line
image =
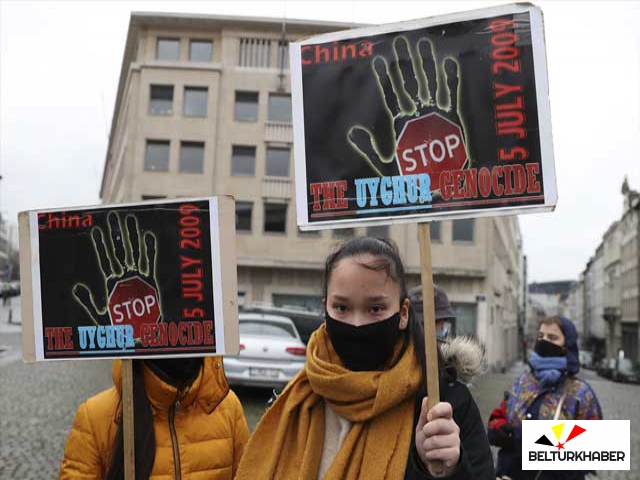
column 265, row 328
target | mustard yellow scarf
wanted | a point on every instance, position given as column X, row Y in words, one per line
column 287, row 443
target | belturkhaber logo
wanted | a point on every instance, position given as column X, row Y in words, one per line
column 572, row 445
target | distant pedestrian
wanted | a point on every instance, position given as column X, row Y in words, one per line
column 444, row 314
column 549, row 390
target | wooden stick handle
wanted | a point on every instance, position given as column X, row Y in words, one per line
column 127, row 420
column 430, row 343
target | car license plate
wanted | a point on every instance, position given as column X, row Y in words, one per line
column 264, row 372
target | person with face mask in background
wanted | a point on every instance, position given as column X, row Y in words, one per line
column 358, row 409
column 187, row 424
column 549, row 390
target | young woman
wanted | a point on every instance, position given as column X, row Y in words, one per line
column 358, row 408
column 549, row 390
column 188, row 424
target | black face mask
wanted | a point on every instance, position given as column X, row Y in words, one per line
column 545, row 348
column 365, row 348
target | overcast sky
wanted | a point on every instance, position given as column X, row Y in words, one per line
column 59, row 70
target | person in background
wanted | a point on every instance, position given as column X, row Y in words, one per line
column 548, row 390
column 445, row 316
column 187, row 424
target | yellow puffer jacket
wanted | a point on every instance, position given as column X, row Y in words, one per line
column 210, row 429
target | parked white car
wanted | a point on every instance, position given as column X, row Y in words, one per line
column 271, row 352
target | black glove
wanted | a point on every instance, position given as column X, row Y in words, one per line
column 503, row 437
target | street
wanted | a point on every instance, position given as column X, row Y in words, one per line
column 39, row 403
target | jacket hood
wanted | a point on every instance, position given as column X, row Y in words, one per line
column 209, row 388
column 571, row 344
column 463, row 357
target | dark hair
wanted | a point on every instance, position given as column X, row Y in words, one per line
column 387, row 260
column 145, row 439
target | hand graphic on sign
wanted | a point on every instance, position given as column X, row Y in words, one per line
column 132, row 292
column 429, row 138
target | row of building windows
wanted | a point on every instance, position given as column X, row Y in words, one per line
column 169, row 49
column 158, row 152
column 246, row 107
column 252, row 52
column 195, row 101
column 191, row 160
column 194, row 104
column 275, row 221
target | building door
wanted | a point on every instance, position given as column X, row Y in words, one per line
column 630, row 341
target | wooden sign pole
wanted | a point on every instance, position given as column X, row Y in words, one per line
column 127, row 419
column 430, row 343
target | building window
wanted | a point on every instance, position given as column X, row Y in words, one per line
column 279, row 107
column 191, row 157
column 243, row 161
column 195, row 101
column 283, row 55
column 378, row 231
column 435, row 231
column 246, row 108
column 255, row 52
column 463, row 230
column 243, row 216
column 168, row 49
column 157, row 156
column 308, row 302
column 153, row 197
column 200, row 50
column 344, row 232
column 161, row 100
column 278, row 160
column 275, row 217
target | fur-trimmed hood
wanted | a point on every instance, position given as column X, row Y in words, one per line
column 464, row 357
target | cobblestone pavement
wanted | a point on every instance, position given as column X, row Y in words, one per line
column 38, row 403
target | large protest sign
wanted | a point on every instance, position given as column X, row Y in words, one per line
column 128, row 281
column 445, row 117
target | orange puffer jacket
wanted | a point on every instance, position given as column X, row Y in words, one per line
column 210, row 429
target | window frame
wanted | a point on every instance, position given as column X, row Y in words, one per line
column 266, row 161
column 264, row 222
column 151, row 99
column 233, row 148
column 257, row 106
column 192, row 88
column 184, row 143
column 276, row 94
column 473, row 231
column 201, row 40
column 146, row 153
column 165, row 39
column 250, row 204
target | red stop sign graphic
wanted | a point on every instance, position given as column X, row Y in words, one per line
column 134, row 302
column 430, row 144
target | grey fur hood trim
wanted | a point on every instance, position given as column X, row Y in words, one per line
column 465, row 355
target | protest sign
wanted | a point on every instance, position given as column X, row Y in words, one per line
column 446, row 117
column 152, row 279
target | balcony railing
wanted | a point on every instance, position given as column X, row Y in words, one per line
column 276, row 187
column 281, row 132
